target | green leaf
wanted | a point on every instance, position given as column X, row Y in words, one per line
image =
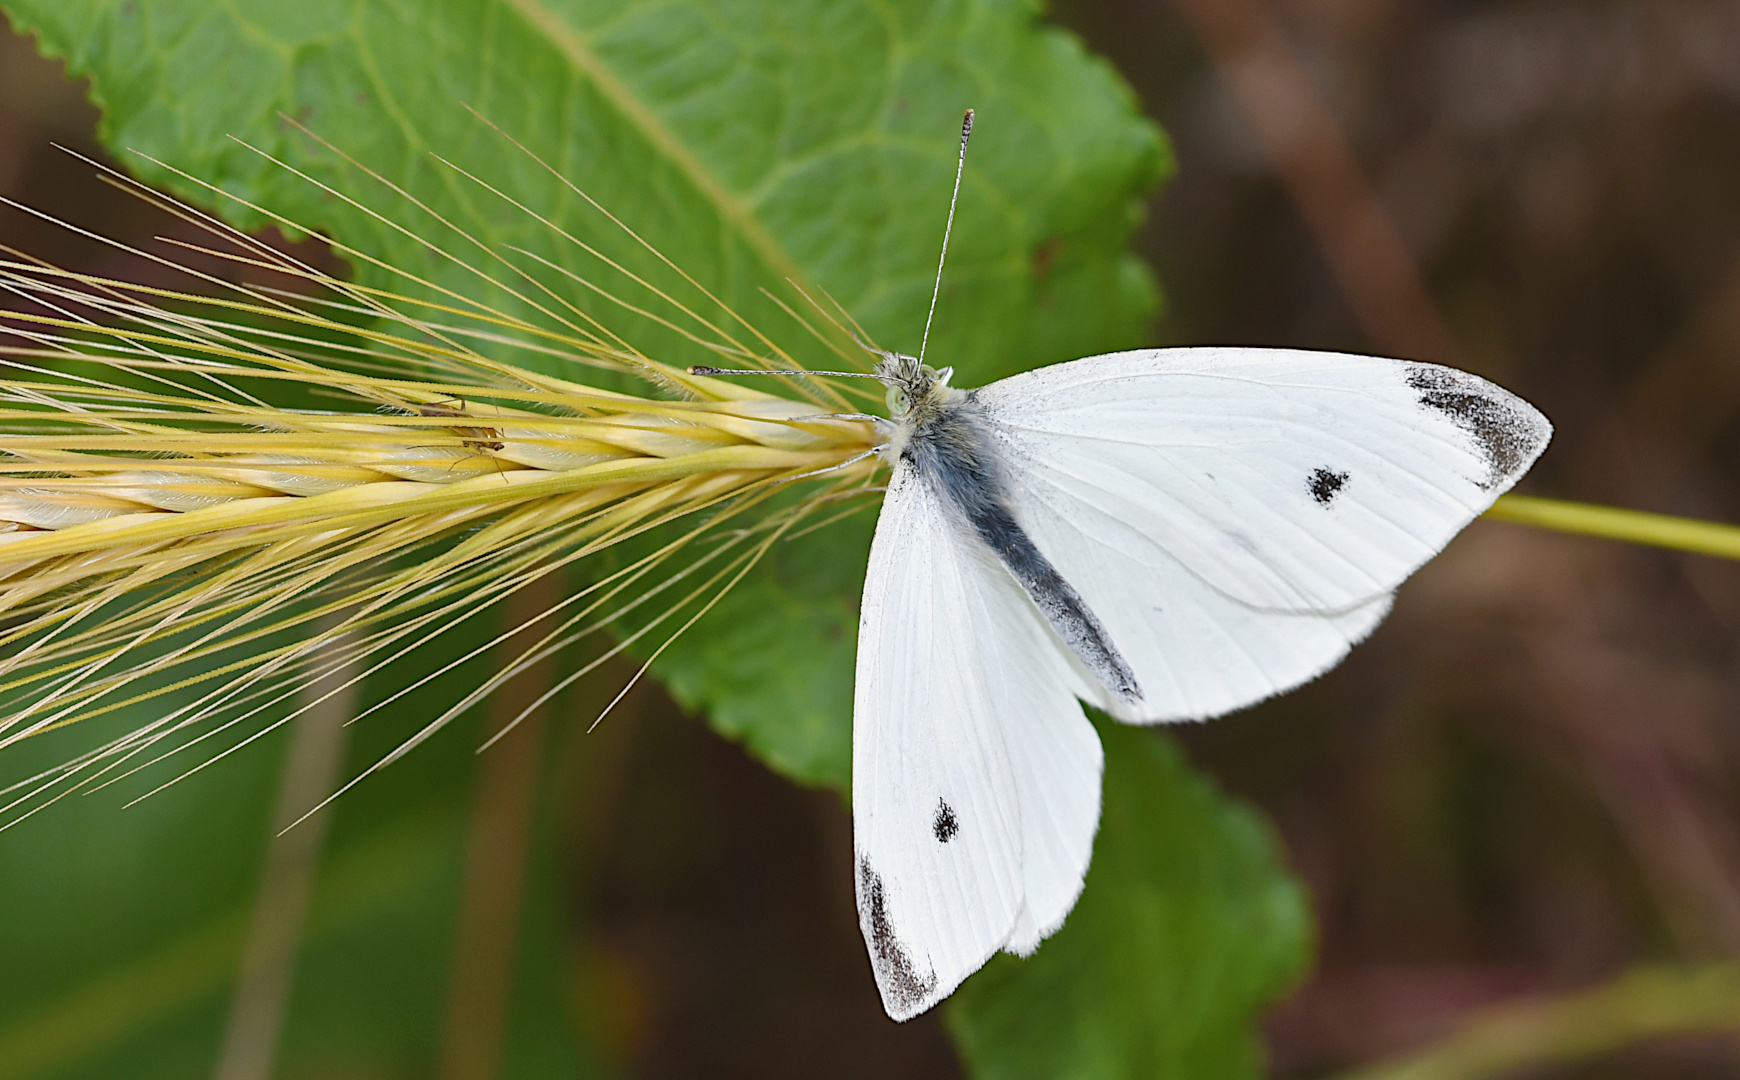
column 1188, row 926
column 751, row 142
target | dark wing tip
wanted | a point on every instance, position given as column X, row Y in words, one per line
column 905, row 993
column 1509, row 432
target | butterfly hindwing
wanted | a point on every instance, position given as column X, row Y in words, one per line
column 976, row 776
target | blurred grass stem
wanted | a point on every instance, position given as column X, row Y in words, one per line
column 1613, row 523
column 1645, row 1003
column 1317, row 167
column 311, row 769
column 486, row 942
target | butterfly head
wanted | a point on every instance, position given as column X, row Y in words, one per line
column 918, row 395
column 915, row 389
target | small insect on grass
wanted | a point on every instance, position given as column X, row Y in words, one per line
column 211, row 497
column 473, row 438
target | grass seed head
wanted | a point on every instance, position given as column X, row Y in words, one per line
column 210, row 498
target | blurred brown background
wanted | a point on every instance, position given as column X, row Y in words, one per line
column 1525, row 783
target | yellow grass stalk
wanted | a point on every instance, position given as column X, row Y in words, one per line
column 174, row 534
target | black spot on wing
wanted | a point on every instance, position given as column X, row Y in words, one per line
column 904, row 992
column 945, row 825
column 1506, row 430
column 1324, row 484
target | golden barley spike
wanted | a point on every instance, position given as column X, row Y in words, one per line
column 172, row 539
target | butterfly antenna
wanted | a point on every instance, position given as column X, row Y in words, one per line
column 960, row 167
column 790, row 373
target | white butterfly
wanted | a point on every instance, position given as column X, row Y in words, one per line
column 1165, row 534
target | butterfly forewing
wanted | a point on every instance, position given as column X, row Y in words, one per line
column 1237, row 518
column 1289, row 480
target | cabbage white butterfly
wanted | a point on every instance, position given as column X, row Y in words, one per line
column 1164, row 534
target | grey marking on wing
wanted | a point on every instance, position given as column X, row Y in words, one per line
column 1507, row 432
column 906, row 992
column 950, row 451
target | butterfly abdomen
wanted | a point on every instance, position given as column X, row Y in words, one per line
column 949, row 447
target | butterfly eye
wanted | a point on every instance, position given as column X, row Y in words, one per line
column 898, row 402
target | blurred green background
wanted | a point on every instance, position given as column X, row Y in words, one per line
column 1519, row 791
